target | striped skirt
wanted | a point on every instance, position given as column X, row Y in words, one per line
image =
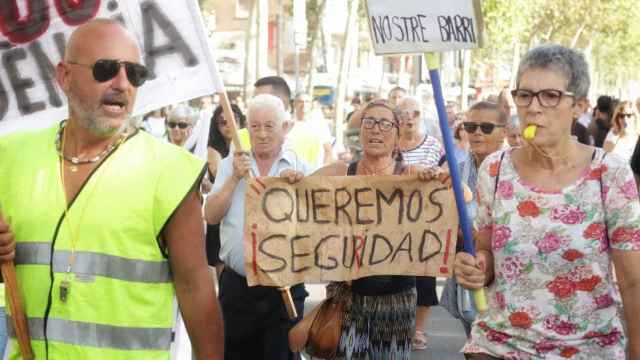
column 379, row 327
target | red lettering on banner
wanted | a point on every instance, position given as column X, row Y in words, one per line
column 28, row 27
column 77, row 12
column 24, row 28
column 358, row 250
column 444, row 269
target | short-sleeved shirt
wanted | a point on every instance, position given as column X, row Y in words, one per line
column 554, row 295
column 232, row 225
column 427, row 153
column 623, row 145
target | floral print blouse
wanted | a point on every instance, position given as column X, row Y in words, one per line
column 553, row 295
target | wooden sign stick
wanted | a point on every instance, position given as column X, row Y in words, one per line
column 18, row 317
column 235, row 139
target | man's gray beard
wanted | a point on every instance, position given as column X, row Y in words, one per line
column 101, row 129
column 94, row 124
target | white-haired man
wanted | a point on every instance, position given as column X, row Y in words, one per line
column 256, row 323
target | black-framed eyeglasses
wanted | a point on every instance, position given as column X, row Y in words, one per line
column 180, row 125
column 107, row 69
column 383, row 124
column 486, row 127
column 548, row 98
column 626, row 115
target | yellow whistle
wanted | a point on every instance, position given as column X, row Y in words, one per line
column 529, row 132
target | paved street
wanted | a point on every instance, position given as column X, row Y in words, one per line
column 445, row 334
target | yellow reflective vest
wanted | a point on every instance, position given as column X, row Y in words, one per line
column 120, row 292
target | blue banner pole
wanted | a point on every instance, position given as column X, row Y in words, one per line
column 433, row 65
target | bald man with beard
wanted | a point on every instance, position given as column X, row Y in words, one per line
column 104, row 222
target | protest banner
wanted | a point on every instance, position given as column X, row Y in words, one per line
column 418, row 26
column 347, row 227
column 33, row 34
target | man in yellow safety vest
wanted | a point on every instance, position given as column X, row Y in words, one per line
column 104, row 222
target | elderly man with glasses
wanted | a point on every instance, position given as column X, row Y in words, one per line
column 256, row 322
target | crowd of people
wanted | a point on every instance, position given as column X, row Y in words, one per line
column 556, row 216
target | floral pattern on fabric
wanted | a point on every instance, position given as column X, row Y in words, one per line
column 554, row 296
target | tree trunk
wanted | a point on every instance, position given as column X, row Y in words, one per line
column 349, row 32
column 313, row 43
column 280, row 26
column 248, row 39
column 262, row 48
column 576, row 36
column 515, row 62
column 464, row 83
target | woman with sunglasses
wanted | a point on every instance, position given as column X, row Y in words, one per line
column 623, row 135
column 553, row 215
column 219, row 143
column 180, row 124
column 485, row 129
column 381, row 320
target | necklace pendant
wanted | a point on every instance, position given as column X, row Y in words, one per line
column 65, row 286
column 73, row 168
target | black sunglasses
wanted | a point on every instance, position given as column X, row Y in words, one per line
column 486, row 127
column 107, row 69
column 181, row 125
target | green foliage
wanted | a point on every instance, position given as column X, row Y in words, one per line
column 609, row 28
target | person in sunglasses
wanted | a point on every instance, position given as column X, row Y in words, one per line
column 485, row 128
column 553, row 216
column 104, row 219
column 625, row 128
column 180, row 122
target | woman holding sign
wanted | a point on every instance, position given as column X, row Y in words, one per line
column 381, row 320
column 552, row 217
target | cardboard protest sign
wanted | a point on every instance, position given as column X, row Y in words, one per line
column 347, row 227
column 33, row 34
column 419, row 26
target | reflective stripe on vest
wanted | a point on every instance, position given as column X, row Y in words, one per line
column 96, row 264
column 98, row 335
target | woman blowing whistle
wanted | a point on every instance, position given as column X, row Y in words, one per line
column 552, row 217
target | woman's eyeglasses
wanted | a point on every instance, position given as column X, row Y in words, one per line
column 107, row 69
column 383, row 124
column 180, row 125
column 548, row 98
column 625, row 115
column 486, row 127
